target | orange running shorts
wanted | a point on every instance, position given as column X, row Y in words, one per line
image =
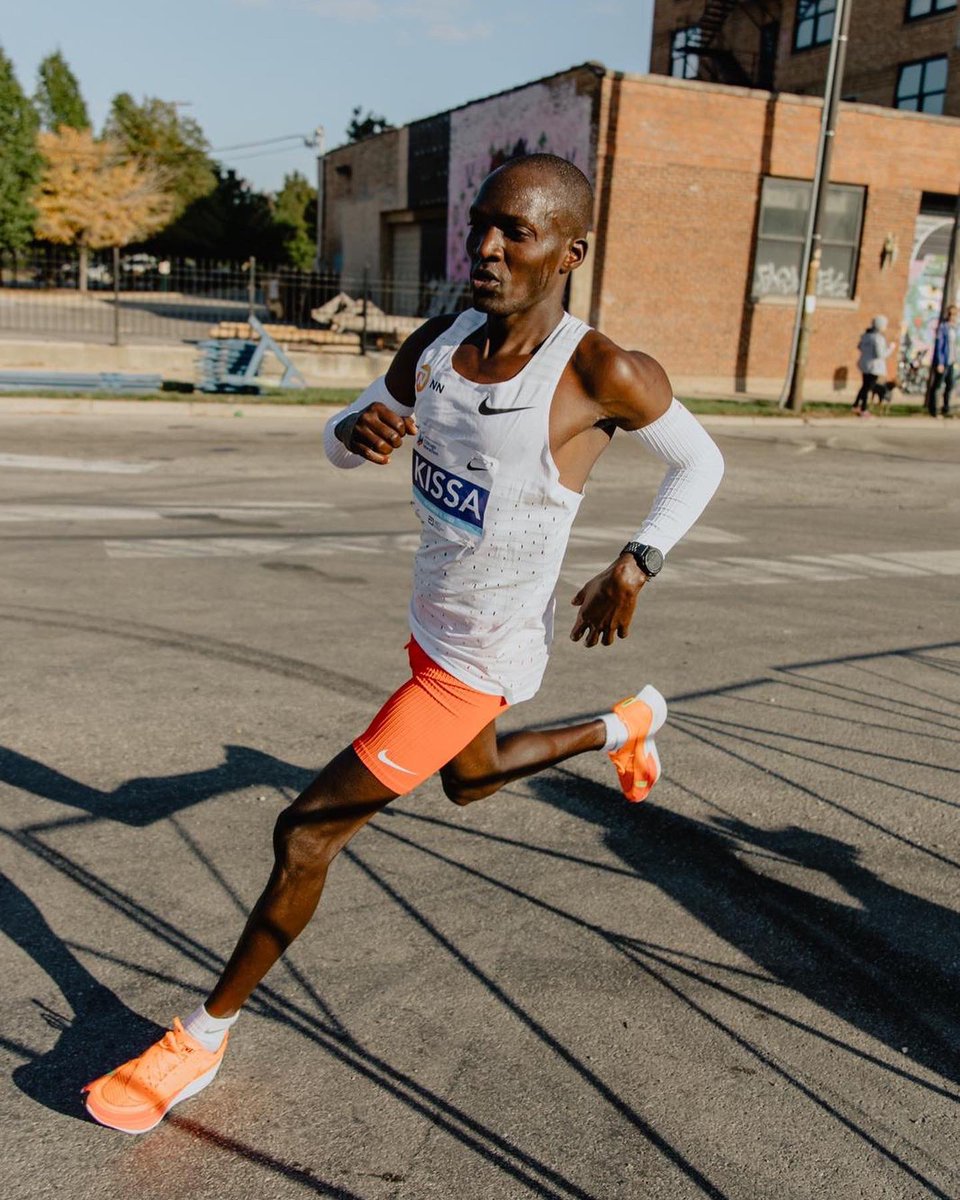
column 424, row 724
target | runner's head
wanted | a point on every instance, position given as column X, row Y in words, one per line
column 528, row 227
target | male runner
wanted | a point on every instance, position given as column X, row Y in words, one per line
column 510, row 405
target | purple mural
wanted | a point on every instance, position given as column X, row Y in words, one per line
column 554, row 117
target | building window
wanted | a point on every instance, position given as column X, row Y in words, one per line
column 928, row 8
column 784, row 212
column 684, row 56
column 922, row 86
column 814, row 23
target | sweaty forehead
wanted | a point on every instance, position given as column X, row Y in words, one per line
column 522, row 193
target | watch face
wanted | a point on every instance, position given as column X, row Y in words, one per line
column 651, row 560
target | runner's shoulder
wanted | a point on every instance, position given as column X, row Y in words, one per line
column 628, row 385
column 401, row 374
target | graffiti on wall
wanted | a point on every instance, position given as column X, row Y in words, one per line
column 769, row 279
column 928, row 269
column 544, row 118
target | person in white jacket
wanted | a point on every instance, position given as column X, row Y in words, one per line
column 872, row 364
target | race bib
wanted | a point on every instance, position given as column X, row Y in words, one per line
column 451, row 488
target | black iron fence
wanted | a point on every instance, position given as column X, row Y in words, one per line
column 140, row 297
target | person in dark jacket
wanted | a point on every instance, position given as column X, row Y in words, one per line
column 944, row 363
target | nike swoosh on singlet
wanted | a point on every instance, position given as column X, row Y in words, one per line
column 382, row 756
column 486, row 411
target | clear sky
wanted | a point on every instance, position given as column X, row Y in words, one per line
column 258, row 69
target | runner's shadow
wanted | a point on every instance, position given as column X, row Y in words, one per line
column 887, row 962
column 143, row 801
column 102, row 1032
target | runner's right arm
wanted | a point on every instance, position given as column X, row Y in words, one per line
column 375, row 424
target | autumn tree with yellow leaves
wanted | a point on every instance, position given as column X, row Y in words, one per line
column 91, row 195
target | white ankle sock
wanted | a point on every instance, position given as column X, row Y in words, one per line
column 209, row 1031
column 617, row 732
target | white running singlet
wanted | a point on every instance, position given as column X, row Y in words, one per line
column 495, row 517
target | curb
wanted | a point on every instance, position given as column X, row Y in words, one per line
column 18, row 405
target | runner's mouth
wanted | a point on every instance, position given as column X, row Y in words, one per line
column 484, row 281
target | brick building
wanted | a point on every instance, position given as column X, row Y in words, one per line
column 702, row 192
column 901, row 53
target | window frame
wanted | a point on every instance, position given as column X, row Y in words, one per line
column 854, row 245
column 798, row 20
column 688, row 51
column 921, row 62
column 909, row 18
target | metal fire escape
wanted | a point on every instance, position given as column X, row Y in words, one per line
column 719, row 63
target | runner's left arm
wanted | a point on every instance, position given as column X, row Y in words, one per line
column 643, row 405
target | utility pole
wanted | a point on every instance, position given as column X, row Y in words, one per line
column 949, row 297
column 321, row 151
column 813, row 250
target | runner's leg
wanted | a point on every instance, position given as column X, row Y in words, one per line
column 491, row 761
column 307, row 837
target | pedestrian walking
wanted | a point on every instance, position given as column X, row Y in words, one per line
column 872, row 364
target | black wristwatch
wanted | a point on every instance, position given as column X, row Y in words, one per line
column 648, row 558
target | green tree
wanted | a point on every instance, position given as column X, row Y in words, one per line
column 155, row 134
column 364, row 127
column 230, row 223
column 295, row 210
column 58, row 99
column 20, row 161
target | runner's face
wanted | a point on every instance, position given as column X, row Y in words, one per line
column 519, row 253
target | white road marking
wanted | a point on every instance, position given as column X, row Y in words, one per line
column 829, row 568
column 98, row 466
column 616, row 535
column 686, row 572
column 239, row 547
column 136, row 512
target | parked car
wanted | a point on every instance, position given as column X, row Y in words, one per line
column 138, row 264
column 98, row 274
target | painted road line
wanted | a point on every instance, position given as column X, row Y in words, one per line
column 735, row 570
column 242, row 547
column 160, row 512
column 96, row 466
column 831, row 568
column 707, row 535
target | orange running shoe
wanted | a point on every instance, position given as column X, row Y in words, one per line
column 136, row 1097
column 637, row 760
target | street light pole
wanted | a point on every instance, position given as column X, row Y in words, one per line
column 813, row 250
column 321, row 151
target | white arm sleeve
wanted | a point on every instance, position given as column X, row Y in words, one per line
column 336, row 451
column 695, row 468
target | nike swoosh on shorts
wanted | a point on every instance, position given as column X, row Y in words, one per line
column 382, row 756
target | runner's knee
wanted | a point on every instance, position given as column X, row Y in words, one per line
column 462, row 788
column 301, row 843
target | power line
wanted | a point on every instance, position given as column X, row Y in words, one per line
column 307, row 139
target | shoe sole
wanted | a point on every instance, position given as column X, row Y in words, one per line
column 184, row 1094
column 655, row 701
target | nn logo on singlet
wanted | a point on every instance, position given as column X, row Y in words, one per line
column 423, row 380
column 457, row 501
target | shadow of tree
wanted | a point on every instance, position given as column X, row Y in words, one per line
column 146, row 800
column 887, row 963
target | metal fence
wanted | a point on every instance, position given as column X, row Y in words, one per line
column 142, row 298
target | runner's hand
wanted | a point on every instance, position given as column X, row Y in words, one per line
column 607, row 602
column 378, row 431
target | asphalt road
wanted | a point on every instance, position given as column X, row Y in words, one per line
column 744, row 988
